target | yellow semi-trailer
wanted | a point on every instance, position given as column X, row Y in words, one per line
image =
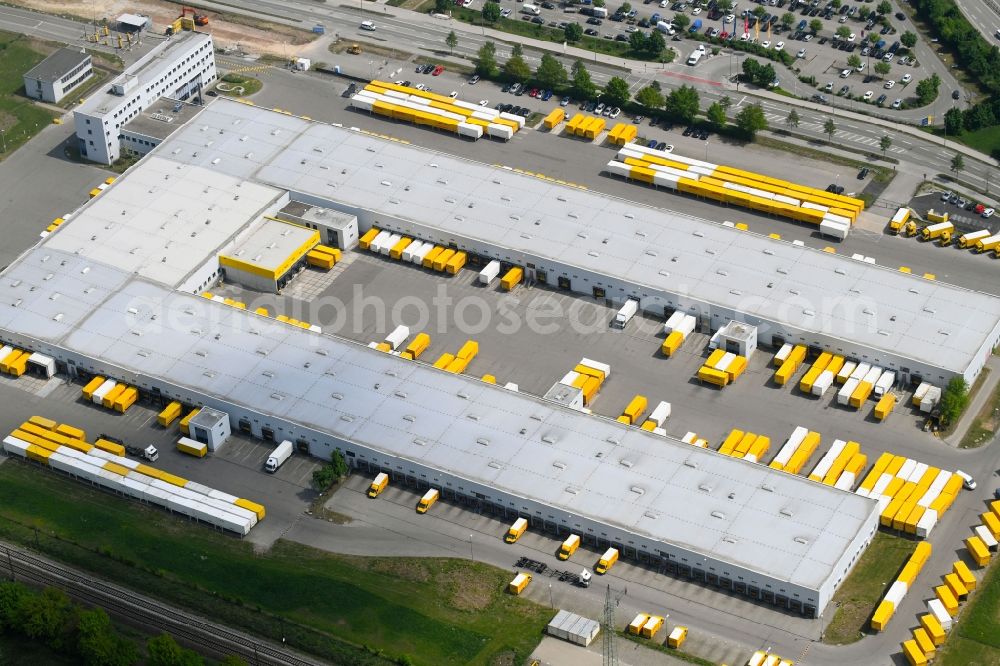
column 987, row 244
column 965, row 241
column 515, row 531
column 126, row 399
column 428, row 499
column 569, row 547
column 511, row 278
column 169, row 414
column 42, row 422
column 520, row 582
column 417, row 346
column 934, row 231
column 379, row 484
column 109, row 398
column 187, row 420
column 637, row 623
column 192, row 447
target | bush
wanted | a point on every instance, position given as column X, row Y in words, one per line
column 954, row 400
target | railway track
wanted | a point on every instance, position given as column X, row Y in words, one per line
column 147, row 612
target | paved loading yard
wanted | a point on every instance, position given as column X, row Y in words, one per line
column 372, row 288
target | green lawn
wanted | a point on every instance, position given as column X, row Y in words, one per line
column 20, row 118
column 349, row 610
column 985, row 140
column 865, row 586
column 249, row 85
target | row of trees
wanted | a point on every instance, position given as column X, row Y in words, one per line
column 972, row 51
column 49, row 617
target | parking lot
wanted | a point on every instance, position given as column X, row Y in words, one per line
column 534, row 336
column 961, row 212
column 236, row 468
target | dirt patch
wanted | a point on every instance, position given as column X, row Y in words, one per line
column 251, row 34
column 7, row 120
column 406, row 569
column 470, row 590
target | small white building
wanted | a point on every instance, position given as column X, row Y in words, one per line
column 61, row 72
column 210, row 427
column 178, row 68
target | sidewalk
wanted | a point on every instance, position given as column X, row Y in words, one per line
column 976, row 405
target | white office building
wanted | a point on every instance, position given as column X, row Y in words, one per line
column 178, row 68
column 58, row 74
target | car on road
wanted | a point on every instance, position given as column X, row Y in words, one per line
column 474, row 80
column 900, row 16
column 868, row 95
column 367, row 25
column 955, row 94
column 889, row 84
column 897, row 103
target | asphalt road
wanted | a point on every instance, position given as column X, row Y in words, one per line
column 984, row 15
column 67, row 31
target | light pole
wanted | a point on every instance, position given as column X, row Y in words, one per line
column 3, row 138
column 706, row 150
column 551, row 604
column 472, row 555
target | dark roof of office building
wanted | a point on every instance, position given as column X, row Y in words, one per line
column 56, row 65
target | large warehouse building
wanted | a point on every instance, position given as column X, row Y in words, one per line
column 114, row 291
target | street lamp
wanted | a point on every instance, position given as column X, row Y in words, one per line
column 472, row 555
column 3, row 138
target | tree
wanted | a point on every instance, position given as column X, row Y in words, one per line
column 957, row 162
column 864, row 12
column 338, row 464
column 11, row 597
column 637, row 41
column 843, row 32
column 598, row 3
column 765, row 75
column 953, row 122
column 626, row 7
column 47, row 617
column 927, row 89
column 873, row 37
column 583, row 86
column 853, row 61
column 885, row 143
column 517, row 50
column 751, row 120
column 829, row 128
column 551, row 73
column 682, row 104
column 793, row 119
column 759, row 11
column 883, row 7
column 486, row 59
column 616, row 92
column 750, row 68
column 836, row 4
column 681, row 22
column 726, row 101
column 815, row 26
column 882, row 68
column 452, row 39
column 516, row 68
column 99, row 644
column 787, row 19
column 442, row 6
column 572, row 31
column 716, row 115
column 650, row 97
column 954, row 400
column 908, row 39
column 655, row 43
column 491, row 12
column 163, row 650
column 725, row 6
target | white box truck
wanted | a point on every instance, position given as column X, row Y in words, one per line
column 278, row 457
column 531, row 9
column 626, row 313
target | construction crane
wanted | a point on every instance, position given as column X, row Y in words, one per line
column 199, row 19
column 608, row 644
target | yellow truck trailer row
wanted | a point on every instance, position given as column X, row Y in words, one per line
column 912, row 496
column 897, row 590
column 833, row 213
column 722, row 368
column 746, row 445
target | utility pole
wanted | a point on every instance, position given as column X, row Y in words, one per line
column 609, row 644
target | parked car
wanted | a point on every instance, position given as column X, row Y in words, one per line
column 868, row 95
column 897, row 103
column 474, row 80
column 863, row 173
column 437, row 70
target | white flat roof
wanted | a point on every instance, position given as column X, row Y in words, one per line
column 269, row 243
column 163, row 220
column 862, row 304
column 779, row 524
